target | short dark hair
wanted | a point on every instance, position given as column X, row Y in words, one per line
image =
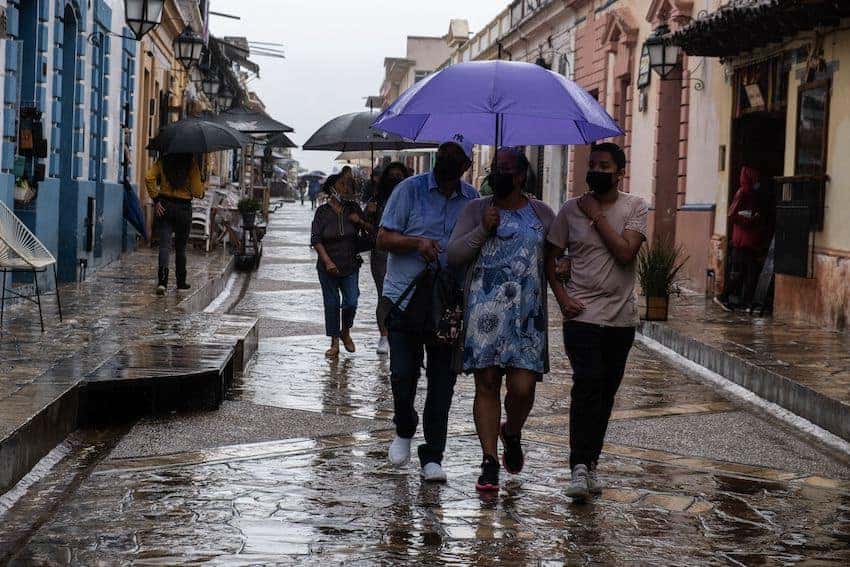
column 617, row 153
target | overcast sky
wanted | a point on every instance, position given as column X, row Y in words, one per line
column 335, row 51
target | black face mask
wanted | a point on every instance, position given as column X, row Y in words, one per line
column 600, row 182
column 502, row 184
column 447, row 169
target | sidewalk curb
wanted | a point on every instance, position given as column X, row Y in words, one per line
column 828, row 413
column 57, row 394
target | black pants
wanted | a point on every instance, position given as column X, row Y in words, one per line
column 598, row 356
column 177, row 220
column 744, row 271
column 378, row 264
column 406, row 353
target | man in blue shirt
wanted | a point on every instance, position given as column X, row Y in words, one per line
column 415, row 229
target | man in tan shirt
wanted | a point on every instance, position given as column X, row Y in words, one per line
column 602, row 232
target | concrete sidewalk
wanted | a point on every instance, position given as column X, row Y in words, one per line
column 802, row 368
column 121, row 351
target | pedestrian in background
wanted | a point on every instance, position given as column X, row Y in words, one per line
column 370, row 189
column 392, row 175
column 603, row 231
column 334, row 235
column 499, row 242
column 750, row 231
column 415, row 229
column 172, row 181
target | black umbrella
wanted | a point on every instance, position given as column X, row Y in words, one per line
column 248, row 121
column 353, row 132
column 195, row 136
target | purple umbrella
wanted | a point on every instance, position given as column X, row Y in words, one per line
column 509, row 103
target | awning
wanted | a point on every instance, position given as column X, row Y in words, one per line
column 745, row 25
column 280, row 141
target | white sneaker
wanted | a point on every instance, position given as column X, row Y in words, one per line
column 433, row 472
column 594, row 485
column 399, row 453
column 383, row 346
column 577, row 489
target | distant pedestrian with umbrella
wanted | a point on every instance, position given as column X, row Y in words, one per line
column 390, row 177
column 172, row 181
column 500, row 242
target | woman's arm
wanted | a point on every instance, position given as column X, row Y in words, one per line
column 151, row 179
column 468, row 236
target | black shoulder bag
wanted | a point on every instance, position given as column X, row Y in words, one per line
column 435, row 309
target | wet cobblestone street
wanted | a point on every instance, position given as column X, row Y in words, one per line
column 292, row 469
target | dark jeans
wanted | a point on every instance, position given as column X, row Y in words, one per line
column 406, row 354
column 598, row 356
column 177, row 220
column 378, row 264
column 332, row 286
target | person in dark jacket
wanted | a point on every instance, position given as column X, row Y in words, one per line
column 391, row 176
column 750, row 225
column 334, row 235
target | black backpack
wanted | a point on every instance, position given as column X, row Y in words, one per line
column 435, row 309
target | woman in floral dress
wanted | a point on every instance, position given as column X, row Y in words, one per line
column 500, row 242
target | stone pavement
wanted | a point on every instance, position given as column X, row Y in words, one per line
column 114, row 311
column 292, row 469
column 802, row 368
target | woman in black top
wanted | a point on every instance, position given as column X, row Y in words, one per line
column 334, row 235
column 393, row 174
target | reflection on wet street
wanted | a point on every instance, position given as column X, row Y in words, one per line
column 692, row 478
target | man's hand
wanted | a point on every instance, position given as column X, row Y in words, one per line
column 355, row 219
column 563, row 266
column 589, row 205
column 428, row 249
column 331, row 268
column 571, row 308
column 159, row 209
column 371, row 208
column 491, row 219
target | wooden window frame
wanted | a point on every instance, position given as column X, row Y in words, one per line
column 825, row 84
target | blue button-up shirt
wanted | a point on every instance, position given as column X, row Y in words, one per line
column 418, row 208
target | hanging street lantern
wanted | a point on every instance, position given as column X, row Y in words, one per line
column 225, row 97
column 188, row 47
column 663, row 55
column 211, row 84
column 196, row 76
column 143, row 15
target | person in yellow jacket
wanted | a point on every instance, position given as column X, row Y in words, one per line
column 172, row 182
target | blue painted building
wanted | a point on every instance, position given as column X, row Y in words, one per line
column 67, row 107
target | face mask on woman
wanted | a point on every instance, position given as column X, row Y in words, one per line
column 502, row 184
column 600, row 182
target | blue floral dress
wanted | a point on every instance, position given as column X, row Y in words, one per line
column 505, row 321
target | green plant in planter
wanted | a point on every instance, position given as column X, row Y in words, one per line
column 248, row 205
column 659, row 267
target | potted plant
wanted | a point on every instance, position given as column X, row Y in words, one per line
column 248, row 208
column 658, row 270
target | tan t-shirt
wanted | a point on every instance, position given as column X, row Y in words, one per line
column 605, row 287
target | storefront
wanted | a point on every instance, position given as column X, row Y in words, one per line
column 787, row 64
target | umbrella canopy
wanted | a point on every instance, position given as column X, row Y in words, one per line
column 248, row 121
column 354, row 132
column 196, row 136
column 509, row 103
column 316, row 174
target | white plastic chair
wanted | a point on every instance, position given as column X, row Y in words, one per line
column 21, row 251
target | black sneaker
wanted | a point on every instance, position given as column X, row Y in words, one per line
column 183, row 287
column 489, row 479
column 512, row 457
